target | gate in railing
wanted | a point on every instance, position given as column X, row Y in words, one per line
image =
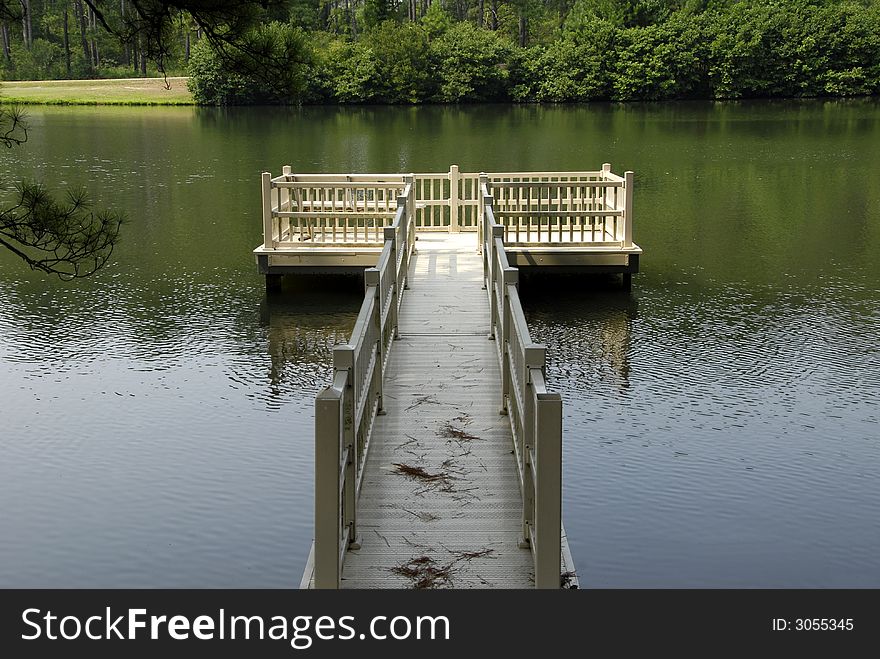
column 447, row 201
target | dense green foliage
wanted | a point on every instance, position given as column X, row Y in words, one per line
column 390, row 51
column 213, row 82
column 606, row 50
column 470, row 64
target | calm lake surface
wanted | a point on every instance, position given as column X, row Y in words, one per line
column 722, row 421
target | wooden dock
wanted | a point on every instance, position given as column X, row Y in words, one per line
column 438, row 449
column 557, row 221
column 440, row 503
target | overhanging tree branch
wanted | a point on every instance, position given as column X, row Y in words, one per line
column 13, row 127
column 67, row 239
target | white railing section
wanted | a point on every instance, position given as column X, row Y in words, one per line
column 535, row 414
column 573, row 208
column 346, row 410
column 535, row 208
column 313, row 210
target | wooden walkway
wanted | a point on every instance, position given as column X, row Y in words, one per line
column 440, row 501
column 438, row 446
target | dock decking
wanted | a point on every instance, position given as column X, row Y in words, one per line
column 441, row 404
column 438, row 448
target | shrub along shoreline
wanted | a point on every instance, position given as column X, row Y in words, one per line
column 730, row 50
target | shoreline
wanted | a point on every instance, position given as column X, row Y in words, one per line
column 152, row 92
column 99, row 91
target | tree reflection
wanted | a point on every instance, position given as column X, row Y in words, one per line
column 586, row 324
column 302, row 323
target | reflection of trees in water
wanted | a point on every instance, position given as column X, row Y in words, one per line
column 615, row 334
column 302, row 324
column 175, row 324
column 586, row 324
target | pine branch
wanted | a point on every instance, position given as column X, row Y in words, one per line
column 66, row 238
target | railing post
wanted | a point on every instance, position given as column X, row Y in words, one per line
column 606, row 192
column 504, row 348
column 490, row 284
column 497, row 230
column 268, row 238
column 481, row 212
column 628, row 179
column 486, row 236
column 403, row 205
column 454, row 180
column 510, row 277
column 548, row 493
column 533, row 358
column 391, row 234
column 494, row 311
column 328, row 510
column 284, row 204
column 528, row 493
column 410, row 180
column 403, row 201
column 372, row 277
column 343, row 360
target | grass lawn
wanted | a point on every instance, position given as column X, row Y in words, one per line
column 123, row 91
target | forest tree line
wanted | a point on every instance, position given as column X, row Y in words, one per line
column 418, row 51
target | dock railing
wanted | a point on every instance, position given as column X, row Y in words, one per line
column 535, row 414
column 315, row 210
column 587, row 208
column 447, row 201
column 572, row 208
column 346, row 410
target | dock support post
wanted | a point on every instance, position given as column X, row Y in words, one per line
column 454, row 180
column 273, row 283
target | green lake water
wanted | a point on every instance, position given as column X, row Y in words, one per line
column 721, row 422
